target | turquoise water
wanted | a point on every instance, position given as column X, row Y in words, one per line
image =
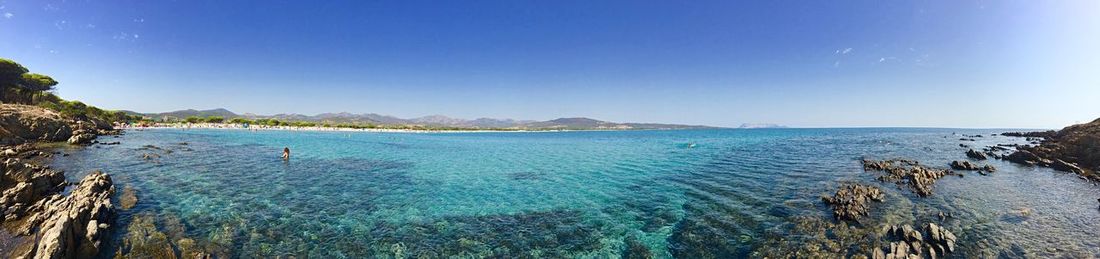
column 567, row 194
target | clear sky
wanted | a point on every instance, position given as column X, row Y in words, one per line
column 1029, row 64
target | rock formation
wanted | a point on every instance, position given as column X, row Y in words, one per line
column 853, row 201
column 72, row 226
column 975, row 154
column 24, row 184
column 23, row 123
column 900, row 171
column 908, row 242
column 1073, row 149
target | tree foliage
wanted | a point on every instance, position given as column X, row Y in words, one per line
column 214, row 119
column 38, row 82
column 18, row 85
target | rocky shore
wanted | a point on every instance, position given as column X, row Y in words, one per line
column 32, row 195
column 1074, row 149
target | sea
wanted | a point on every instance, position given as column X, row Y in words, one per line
column 708, row 193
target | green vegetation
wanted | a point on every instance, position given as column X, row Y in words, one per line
column 214, row 119
column 19, row 86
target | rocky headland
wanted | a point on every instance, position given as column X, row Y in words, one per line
column 1073, row 149
column 53, row 225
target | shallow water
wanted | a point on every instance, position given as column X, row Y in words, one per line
column 568, row 194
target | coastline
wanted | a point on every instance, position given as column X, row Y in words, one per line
column 234, row 126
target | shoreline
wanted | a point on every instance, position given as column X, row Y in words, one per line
column 233, row 126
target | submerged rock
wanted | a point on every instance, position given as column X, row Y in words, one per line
column 853, row 201
column 815, row 237
column 128, row 198
column 636, row 250
column 144, row 239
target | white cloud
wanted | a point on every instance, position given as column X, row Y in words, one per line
column 8, row 15
column 846, row 51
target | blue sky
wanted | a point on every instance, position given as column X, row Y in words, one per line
column 1029, row 64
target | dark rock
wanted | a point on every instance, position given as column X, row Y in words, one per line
column 975, row 154
column 1060, row 165
column 1077, row 146
column 1037, row 134
column 1025, row 157
column 964, row 165
column 636, row 250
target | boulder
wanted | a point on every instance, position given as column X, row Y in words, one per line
column 964, row 165
column 82, row 139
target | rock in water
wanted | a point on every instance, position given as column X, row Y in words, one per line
column 1076, row 146
column 964, row 165
column 919, row 178
column 975, row 154
column 910, row 243
column 74, row 226
column 853, row 201
column 82, row 139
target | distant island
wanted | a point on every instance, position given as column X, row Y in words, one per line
column 379, row 121
column 761, row 126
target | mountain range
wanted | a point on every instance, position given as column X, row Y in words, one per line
column 432, row 120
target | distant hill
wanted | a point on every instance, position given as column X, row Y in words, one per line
column 191, row 112
column 578, row 123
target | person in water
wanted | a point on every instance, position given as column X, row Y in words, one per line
column 286, row 153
